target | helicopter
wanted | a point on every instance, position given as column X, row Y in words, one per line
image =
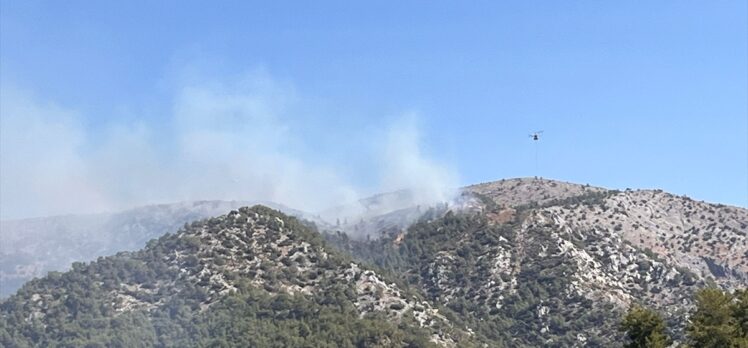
column 536, row 135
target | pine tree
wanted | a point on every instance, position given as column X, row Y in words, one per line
column 712, row 324
column 644, row 328
column 740, row 313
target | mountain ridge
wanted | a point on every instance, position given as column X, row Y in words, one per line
column 32, row 247
column 247, row 250
column 520, row 262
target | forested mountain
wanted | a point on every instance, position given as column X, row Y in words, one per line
column 547, row 263
column 512, row 263
column 253, row 277
column 32, row 247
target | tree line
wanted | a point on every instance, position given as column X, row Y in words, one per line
column 719, row 320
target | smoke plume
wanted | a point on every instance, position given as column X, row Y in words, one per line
column 226, row 140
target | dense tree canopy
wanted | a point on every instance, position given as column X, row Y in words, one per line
column 644, row 328
column 718, row 321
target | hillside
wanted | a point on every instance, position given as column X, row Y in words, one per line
column 548, row 263
column 251, row 277
column 523, row 191
column 513, row 263
column 32, row 247
column 709, row 239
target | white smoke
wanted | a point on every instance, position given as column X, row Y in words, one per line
column 228, row 141
column 41, row 169
column 404, row 166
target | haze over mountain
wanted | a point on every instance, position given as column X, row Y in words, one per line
column 32, row 247
column 516, row 262
column 323, row 174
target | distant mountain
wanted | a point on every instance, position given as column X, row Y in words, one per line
column 708, row 239
column 388, row 213
column 32, row 247
column 537, row 191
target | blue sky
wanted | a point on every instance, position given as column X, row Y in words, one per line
column 629, row 94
